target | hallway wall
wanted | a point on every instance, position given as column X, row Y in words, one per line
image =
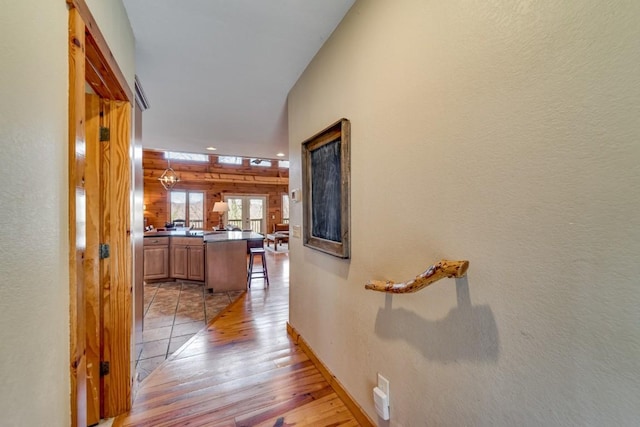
column 505, row 133
column 34, row 259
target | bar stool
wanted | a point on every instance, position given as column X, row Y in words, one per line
column 250, row 274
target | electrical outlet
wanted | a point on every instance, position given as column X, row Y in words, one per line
column 296, row 231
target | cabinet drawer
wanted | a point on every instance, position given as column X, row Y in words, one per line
column 186, row 241
column 156, row 241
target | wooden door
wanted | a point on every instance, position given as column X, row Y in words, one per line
column 117, row 269
column 106, row 210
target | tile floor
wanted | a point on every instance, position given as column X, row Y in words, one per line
column 173, row 313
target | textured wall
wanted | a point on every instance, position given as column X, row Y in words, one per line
column 34, row 278
column 505, row 133
column 34, row 285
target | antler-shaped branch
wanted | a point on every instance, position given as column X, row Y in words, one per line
column 444, row 268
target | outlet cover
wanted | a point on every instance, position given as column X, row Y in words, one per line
column 383, row 384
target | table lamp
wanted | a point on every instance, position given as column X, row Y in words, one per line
column 220, row 208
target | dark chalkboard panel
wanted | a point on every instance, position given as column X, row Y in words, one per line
column 325, row 179
column 326, row 192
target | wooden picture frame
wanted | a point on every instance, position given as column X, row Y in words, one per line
column 326, row 170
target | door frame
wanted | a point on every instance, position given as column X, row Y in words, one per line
column 90, row 61
column 92, row 267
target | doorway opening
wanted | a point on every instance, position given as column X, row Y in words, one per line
column 247, row 212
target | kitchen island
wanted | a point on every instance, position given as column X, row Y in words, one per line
column 217, row 258
column 226, row 258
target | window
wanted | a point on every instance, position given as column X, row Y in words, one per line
column 285, row 209
column 260, row 162
column 283, row 164
column 178, row 205
column 188, row 206
column 230, row 160
column 172, row 155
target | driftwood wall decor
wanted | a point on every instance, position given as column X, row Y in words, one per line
column 444, row 268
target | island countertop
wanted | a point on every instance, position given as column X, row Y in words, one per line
column 228, row 236
column 174, row 233
column 208, row 236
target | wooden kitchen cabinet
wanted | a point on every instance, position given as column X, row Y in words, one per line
column 187, row 258
column 156, row 258
column 196, row 262
column 178, row 264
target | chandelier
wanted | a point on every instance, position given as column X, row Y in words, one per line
column 169, row 177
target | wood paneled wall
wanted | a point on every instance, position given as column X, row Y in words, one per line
column 215, row 180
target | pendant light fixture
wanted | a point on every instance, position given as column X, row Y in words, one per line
column 169, row 177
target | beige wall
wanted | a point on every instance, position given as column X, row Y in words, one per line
column 505, row 133
column 34, row 283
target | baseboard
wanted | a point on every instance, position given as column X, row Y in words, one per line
column 355, row 409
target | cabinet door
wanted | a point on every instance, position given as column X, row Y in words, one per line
column 196, row 263
column 156, row 262
column 179, row 260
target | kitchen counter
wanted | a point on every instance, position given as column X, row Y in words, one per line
column 175, row 233
column 208, row 236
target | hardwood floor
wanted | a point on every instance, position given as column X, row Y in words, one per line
column 242, row 370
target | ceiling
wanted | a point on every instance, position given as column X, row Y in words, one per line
column 216, row 73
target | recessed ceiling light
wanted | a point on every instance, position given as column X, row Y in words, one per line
column 280, row 154
column 211, row 148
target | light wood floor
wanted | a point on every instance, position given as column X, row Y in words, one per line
column 242, row 370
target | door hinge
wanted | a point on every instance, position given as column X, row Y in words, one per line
column 105, row 134
column 104, row 368
column 104, row 250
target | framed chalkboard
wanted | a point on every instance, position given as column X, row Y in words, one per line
column 325, row 180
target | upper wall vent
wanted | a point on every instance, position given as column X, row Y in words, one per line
column 141, row 98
